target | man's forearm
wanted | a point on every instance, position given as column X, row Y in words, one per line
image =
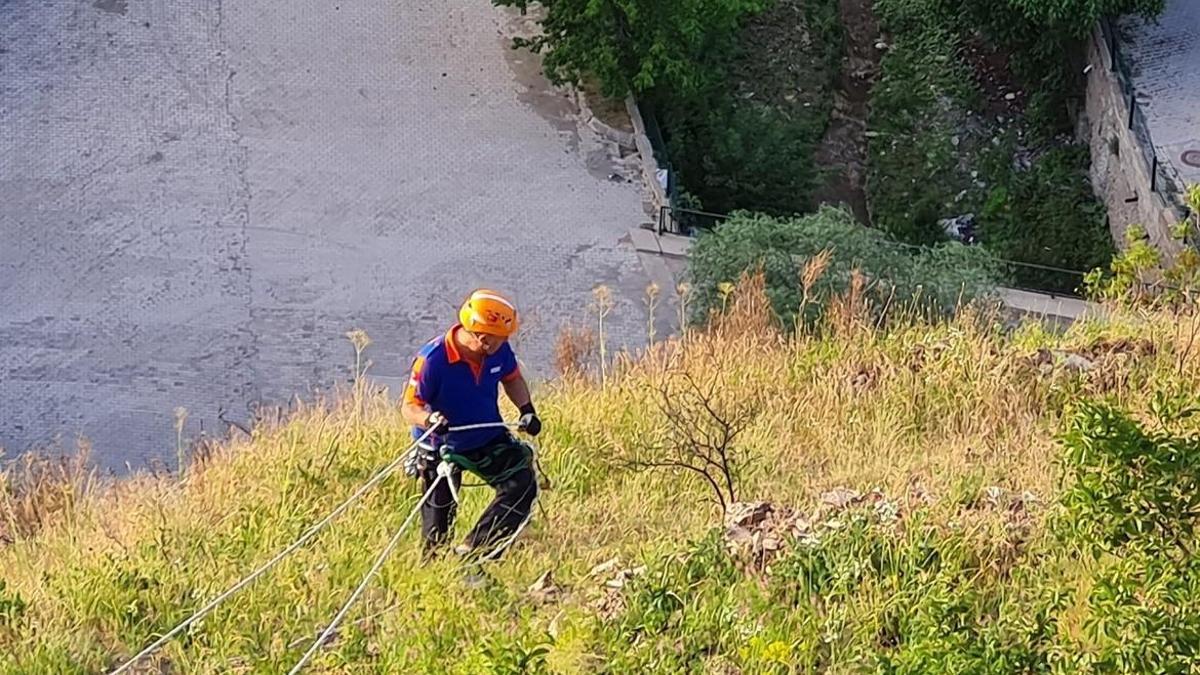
column 414, row 414
column 518, row 391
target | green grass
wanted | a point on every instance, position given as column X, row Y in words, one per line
column 930, row 415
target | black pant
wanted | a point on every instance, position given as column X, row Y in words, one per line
column 506, row 465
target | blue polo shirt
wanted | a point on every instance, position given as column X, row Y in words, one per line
column 465, row 392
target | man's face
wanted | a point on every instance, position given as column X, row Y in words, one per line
column 483, row 342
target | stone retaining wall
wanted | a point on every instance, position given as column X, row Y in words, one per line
column 649, row 165
column 1120, row 174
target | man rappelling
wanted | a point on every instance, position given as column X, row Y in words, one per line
column 454, row 384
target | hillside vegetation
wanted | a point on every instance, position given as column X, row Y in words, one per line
column 920, row 517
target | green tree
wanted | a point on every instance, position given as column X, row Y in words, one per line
column 1077, row 17
column 747, row 156
column 636, row 45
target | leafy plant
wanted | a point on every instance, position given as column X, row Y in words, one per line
column 934, row 280
column 1048, row 216
column 516, row 657
column 745, row 156
column 1076, row 17
column 1132, row 488
column 12, row 605
column 635, row 45
column 1132, row 502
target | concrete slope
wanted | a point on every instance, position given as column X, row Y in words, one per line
column 197, row 201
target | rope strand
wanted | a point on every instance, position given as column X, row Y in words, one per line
column 366, row 580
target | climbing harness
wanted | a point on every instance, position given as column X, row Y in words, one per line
column 305, row 537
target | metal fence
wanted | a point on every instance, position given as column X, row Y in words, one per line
column 673, row 218
column 1164, row 180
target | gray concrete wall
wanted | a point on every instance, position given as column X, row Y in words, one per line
column 198, row 199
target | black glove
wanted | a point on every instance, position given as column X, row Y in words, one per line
column 437, row 422
column 529, row 422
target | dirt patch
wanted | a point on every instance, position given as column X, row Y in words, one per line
column 842, row 154
column 784, row 62
column 991, row 68
column 611, row 111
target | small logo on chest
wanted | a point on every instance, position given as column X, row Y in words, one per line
column 494, row 370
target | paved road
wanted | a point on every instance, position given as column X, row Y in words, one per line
column 198, row 199
column 1165, row 56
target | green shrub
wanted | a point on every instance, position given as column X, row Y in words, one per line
column 930, row 280
column 1132, row 504
column 747, row 141
column 746, row 156
column 676, row 614
column 1132, row 489
column 1048, row 215
column 938, row 151
column 636, row 45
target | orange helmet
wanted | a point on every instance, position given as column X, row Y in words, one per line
column 488, row 312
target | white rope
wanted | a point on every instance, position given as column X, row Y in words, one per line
column 366, row 580
column 414, row 448
column 446, row 470
column 308, row 534
column 495, row 553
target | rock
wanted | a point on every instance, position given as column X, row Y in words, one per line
column 621, row 578
column 955, row 140
column 604, row 567
column 544, row 590
column 887, row 511
column 1078, row 364
column 747, row 514
column 841, row 498
column 1010, row 97
column 960, row 228
column 992, row 495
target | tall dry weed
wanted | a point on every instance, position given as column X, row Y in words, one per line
column 747, row 314
column 574, row 349
column 37, row 491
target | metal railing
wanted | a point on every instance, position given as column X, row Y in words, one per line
column 1164, row 179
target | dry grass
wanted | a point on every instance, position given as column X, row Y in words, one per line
column 37, row 490
column 916, row 410
column 574, row 351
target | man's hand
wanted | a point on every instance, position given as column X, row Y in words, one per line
column 437, row 422
column 529, row 422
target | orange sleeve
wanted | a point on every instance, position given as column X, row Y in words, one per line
column 414, row 381
column 516, row 372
